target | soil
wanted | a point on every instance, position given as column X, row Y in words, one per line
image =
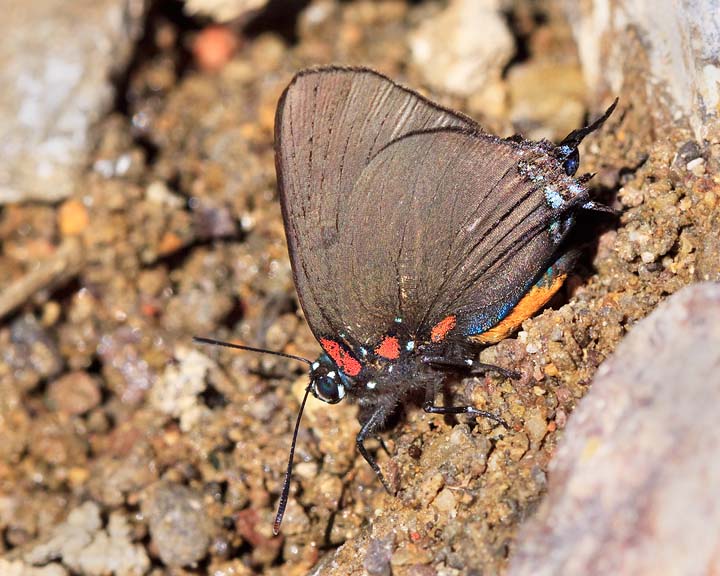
column 181, row 448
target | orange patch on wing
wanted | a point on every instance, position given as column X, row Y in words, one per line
column 389, row 348
column 440, row 330
column 538, row 296
column 341, row 357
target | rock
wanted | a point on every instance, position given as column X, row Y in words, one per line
column 88, row 549
column 445, row 502
column 634, row 483
column 124, row 469
column 56, row 63
column 179, row 526
column 49, row 271
column 224, row 10
column 421, row 570
column 177, row 389
column 74, row 393
column 213, row 221
column 112, row 551
column 18, row 568
column 536, row 424
column 670, row 48
column 55, row 441
column 32, row 354
column 214, row 47
column 465, row 48
column 125, row 369
column 378, row 556
column 73, row 217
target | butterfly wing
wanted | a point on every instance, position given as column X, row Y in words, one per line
column 448, row 223
column 330, row 123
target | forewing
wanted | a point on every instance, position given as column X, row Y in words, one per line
column 330, row 123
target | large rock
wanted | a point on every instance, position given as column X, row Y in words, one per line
column 670, row 47
column 224, row 10
column 464, row 48
column 633, row 488
column 179, row 524
column 56, row 63
column 86, row 548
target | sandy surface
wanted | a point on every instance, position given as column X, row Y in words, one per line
column 126, row 447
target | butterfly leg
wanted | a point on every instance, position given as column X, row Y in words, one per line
column 369, row 429
column 481, row 368
column 470, row 365
column 382, row 444
column 431, row 408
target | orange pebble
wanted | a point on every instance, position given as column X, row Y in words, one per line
column 149, row 310
column 169, row 243
column 551, row 370
column 73, row 218
column 214, row 47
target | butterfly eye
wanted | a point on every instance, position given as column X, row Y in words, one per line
column 328, row 388
column 571, row 162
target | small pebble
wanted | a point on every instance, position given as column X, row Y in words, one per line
column 169, row 243
column 445, row 502
column 378, row 555
column 178, row 523
column 561, row 418
column 74, row 393
column 551, row 370
column 696, row 166
column 73, row 218
column 536, row 425
column 50, row 313
column 421, row 570
column 214, row 47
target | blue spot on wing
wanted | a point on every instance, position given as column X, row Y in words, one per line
column 483, row 322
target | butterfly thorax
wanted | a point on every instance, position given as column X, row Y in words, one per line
column 385, row 373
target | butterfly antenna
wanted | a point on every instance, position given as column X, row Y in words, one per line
column 576, row 136
column 285, row 494
column 286, row 483
column 214, row 342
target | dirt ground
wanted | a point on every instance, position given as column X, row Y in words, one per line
column 110, row 412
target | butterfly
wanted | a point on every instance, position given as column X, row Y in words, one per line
column 414, row 236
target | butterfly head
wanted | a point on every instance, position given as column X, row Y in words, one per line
column 567, row 151
column 570, row 159
column 326, row 382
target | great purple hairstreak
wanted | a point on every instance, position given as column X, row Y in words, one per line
column 414, row 237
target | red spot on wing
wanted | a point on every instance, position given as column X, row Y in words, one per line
column 341, row 357
column 440, row 330
column 389, row 348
